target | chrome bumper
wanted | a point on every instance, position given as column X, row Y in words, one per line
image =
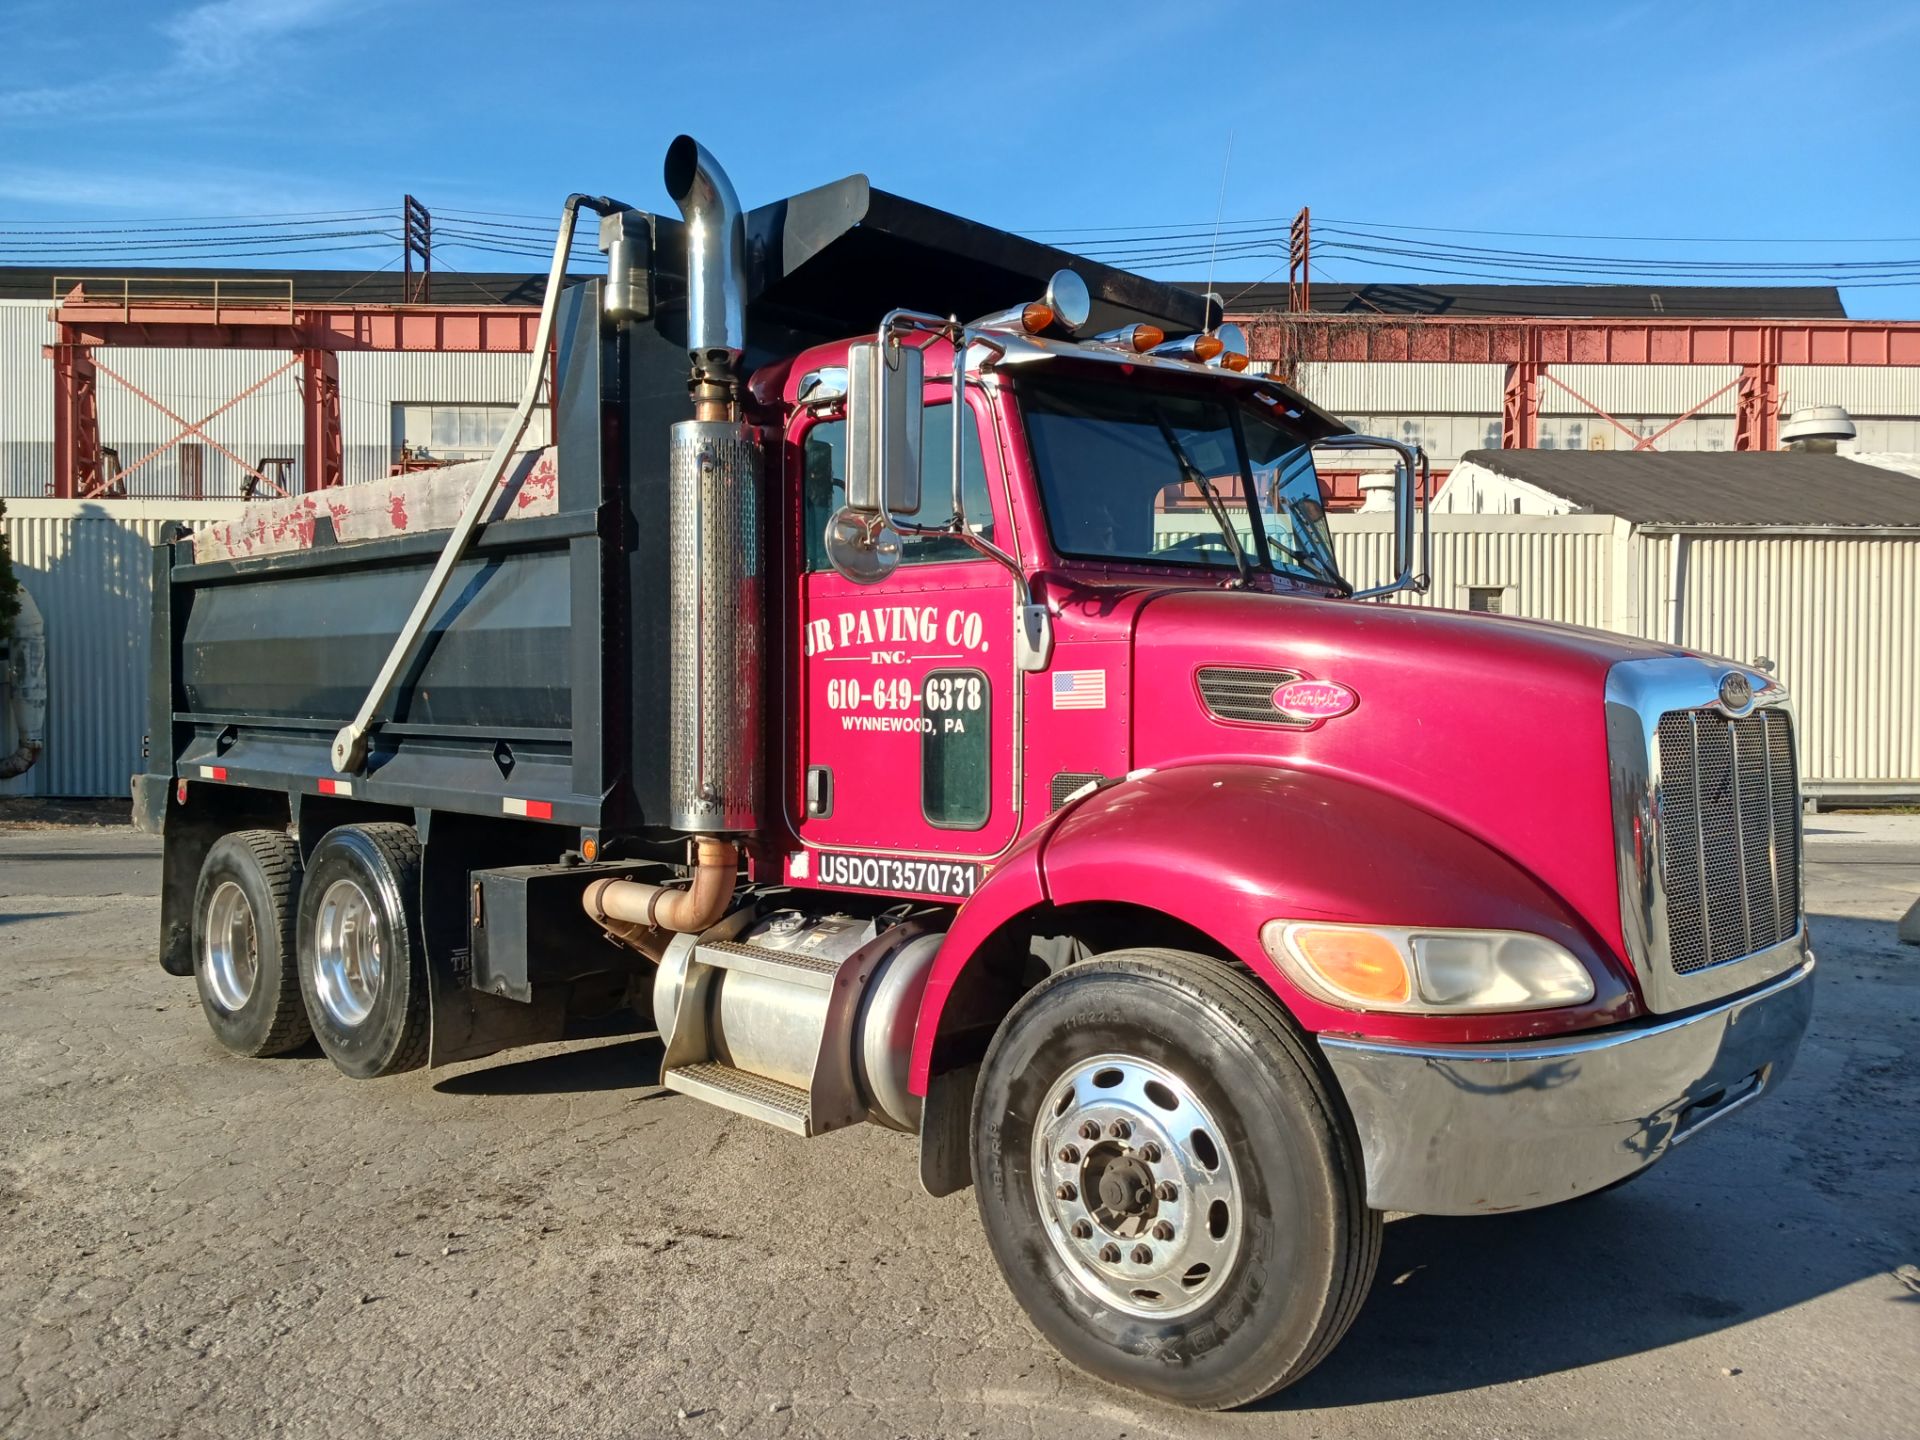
column 1470, row 1129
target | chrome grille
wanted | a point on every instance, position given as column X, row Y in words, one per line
column 1232, row 693
column 1729, row 835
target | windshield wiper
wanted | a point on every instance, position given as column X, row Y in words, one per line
column 1310, row 559
column 1214, row 507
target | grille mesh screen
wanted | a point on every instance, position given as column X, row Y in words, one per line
column 1729, row 835
column 1068, row 781
column 1235, row 694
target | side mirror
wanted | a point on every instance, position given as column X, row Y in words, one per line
column 884, row 417
column 1410, row 539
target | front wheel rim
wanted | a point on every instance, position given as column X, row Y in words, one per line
column 1136, row 1187
column 230, row 950
column 348, row 953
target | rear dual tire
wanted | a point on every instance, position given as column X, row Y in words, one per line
column 243, row 943
column 1167, row 1181
column 363, row 969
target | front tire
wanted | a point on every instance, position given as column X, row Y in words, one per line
column 363, row 967
column 1167, row 1182
column 243, row 943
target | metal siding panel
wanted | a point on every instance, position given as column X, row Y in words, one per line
column 1391, row 388
column 1839, row 617
column 88, row 566
column 1552, row 568
column 1891, row 391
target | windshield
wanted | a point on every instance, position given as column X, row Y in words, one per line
column 1148, row 476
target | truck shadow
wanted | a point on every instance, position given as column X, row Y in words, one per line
column 624, row 1065
column 1463, row 1303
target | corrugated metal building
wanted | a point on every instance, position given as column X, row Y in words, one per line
column 1807, row 565
column 89, row 568
column 447, row 404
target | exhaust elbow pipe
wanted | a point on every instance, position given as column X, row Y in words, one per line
column 716, row 256
column 637, row 913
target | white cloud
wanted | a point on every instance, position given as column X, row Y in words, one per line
column 212, row 40
column 221, row 37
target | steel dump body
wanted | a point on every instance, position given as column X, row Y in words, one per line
column 540, row 688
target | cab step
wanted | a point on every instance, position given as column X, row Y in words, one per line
column 813, row 972
column 786, row 1106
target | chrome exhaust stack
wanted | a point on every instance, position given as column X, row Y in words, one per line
column 716, row 644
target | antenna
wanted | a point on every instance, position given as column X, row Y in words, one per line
column 1219, row 211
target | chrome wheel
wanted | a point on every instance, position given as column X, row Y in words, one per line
column 1136, row 1187
column 347, row 953
column 230, row 948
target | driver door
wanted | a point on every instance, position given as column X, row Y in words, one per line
column 905, row 743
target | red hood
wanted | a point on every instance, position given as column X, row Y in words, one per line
column 1495, row 725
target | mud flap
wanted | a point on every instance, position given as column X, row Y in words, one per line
column 946, row 1125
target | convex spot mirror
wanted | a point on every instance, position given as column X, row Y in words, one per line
column 862, row 548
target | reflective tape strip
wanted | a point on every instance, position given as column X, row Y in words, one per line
column 336, row 787
column 532, row 809
column 213, row 772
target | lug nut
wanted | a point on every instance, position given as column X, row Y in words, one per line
column 1162, row 1230
column 1150, row 1153
column 1167, row 1190
column 1069, row 1154
column 1089, row 1129
column 1080, row 1230
column 1110, row 1253
column 1120, row 1130
column 1067, row 1191
column 1143, row 1254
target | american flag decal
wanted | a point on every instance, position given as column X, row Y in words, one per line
column 1079, row 689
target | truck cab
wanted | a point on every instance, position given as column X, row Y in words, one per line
column 969, row 729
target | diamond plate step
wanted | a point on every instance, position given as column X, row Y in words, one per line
column 783, row 1105
column 816, row 972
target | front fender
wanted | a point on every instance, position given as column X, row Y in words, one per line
column 1225, row 847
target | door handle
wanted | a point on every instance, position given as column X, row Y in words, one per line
column 819, row 791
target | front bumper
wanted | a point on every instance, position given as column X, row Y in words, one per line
column 1471, row 1129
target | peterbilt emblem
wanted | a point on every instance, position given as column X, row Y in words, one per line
column 1736, row 692
column 1313, row 699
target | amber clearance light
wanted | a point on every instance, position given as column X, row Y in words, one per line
column 1205, row 347
column 1036, row 316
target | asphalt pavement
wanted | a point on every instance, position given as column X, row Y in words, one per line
column 546, row 1244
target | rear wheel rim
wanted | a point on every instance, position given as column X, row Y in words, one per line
column 1136, row 1187
column 348, row 954
column 230, row 951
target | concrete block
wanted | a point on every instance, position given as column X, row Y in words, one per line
column 1910, row 925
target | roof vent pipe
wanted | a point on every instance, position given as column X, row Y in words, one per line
column 716, row 266
column 1817, row 427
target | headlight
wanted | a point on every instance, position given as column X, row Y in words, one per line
column 1368, row 967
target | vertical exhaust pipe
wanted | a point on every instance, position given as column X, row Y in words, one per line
column 716, row 269
column 716, row 662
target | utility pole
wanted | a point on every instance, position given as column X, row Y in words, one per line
column 417, row 220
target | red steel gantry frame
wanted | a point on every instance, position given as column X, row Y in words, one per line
column 1528, row 346
column 110, row 314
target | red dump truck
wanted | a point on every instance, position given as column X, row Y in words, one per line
column 963, row 725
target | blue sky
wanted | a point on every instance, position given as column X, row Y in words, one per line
column 1754, row 120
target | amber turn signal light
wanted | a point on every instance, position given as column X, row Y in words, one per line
column 1358, row 963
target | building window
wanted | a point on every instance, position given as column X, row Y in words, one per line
column 446, row 431
column 1487, row 599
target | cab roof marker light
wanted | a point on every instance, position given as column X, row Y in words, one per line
column 1137, row 338
column 1191, row 347
column 1233, row 352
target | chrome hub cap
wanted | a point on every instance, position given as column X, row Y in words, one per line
column 347, row 953
column 230, row 951
column 1136, row 1189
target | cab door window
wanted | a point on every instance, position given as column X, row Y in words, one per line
column 825, row 487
